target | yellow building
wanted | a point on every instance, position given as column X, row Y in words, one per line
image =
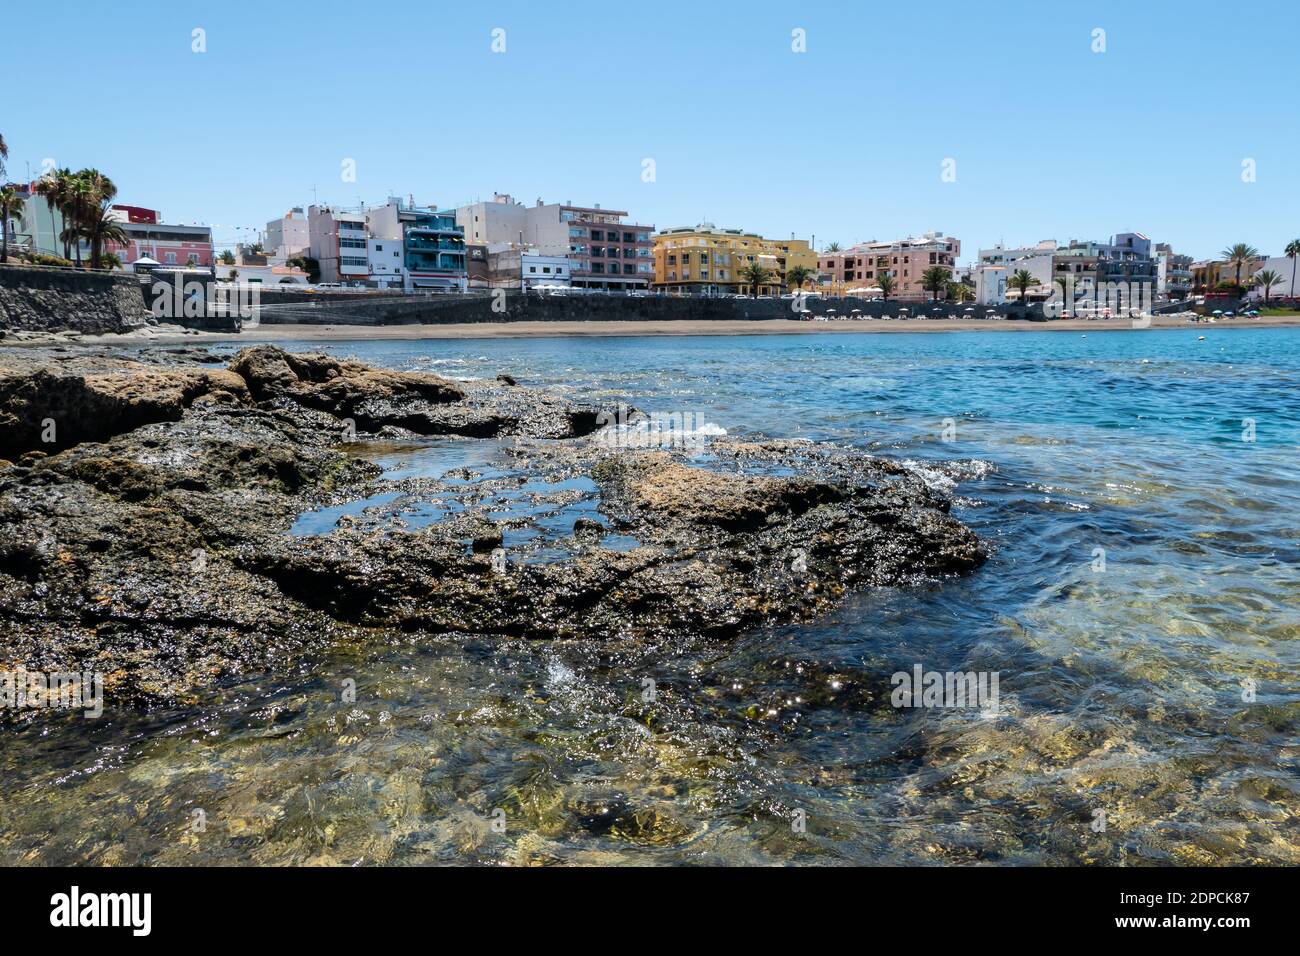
column 708, row 261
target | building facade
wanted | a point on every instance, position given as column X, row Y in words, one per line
column 705, row 260
column 288, row 236
column 337, row 240
column 904, row 260
column 605, row 251
column 432, row 244
column 1173, row 273
column 149, row 237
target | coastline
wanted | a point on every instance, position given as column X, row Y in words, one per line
column 582, row 329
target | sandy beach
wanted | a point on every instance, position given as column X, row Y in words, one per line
column 497, row 330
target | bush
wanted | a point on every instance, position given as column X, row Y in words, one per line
column 43, row 259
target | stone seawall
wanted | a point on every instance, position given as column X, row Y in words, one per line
column 44, row 299
column 518, row 307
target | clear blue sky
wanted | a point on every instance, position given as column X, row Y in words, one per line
column 844, row 142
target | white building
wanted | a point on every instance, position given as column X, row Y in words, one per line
column 1288, row 269
column 990, row 284
column 535, row 270
column 385, row 260
column 288, row 236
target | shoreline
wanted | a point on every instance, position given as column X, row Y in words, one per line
column 629, row 328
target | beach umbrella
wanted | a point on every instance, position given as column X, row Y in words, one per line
column 1217, row 312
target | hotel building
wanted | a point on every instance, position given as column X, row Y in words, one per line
column 705, row 260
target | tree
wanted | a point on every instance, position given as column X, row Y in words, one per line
column 4, row 154
column 308, row 265
column 833, row 247
column 97, row 226
column 960, row 292
column 887, row 285
column 11, row 204
column 227, row 257
column 1239, row 255
column 47, row 187
column 755, row 275
column 935, row 280
column 796, row 276
column 100, row 227
column 1023, row 280
column 1266, row 279
column 1293, row 251
column 77, row 201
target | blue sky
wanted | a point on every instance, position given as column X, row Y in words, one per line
column 843, row 142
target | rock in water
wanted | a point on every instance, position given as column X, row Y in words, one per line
column 150, row 539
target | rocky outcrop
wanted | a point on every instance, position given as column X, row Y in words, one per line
column 167, row 548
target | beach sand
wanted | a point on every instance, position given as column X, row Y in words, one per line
column 498, row 330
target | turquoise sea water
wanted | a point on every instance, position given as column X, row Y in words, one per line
column 1141, row 607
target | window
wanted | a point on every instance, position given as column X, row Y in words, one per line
column 379, row 248
column 597, row 234
column 532, row 268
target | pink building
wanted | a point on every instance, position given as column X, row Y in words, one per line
column 905, row 259
column 167, row 244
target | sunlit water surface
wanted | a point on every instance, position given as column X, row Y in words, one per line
column 1142, row 497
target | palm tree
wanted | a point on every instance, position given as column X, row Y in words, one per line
column 1023, row 280
column 935, row 280
column 959, row 292
column 1266, row 280
column 4, row 154
column 796, row 276
column 887, row 285
column 76, row 210
column 100, row 227
column 1239, row 255
column 833, row 247
column 755, row 275
column 1293, row 251
column 11, row 204
column 97, row 226
column 56, row 187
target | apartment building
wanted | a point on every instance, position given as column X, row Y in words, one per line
column 605, row 250
column 288, row 236
column 337, row 240
column 1173, row 272
column 905, row 260
column 432, row 245
column 705, row 260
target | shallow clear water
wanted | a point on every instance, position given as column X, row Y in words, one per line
column 1142, row 494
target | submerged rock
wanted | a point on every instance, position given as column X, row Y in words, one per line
column 158, row 541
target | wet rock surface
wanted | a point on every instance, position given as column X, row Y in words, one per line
column 190, row 523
